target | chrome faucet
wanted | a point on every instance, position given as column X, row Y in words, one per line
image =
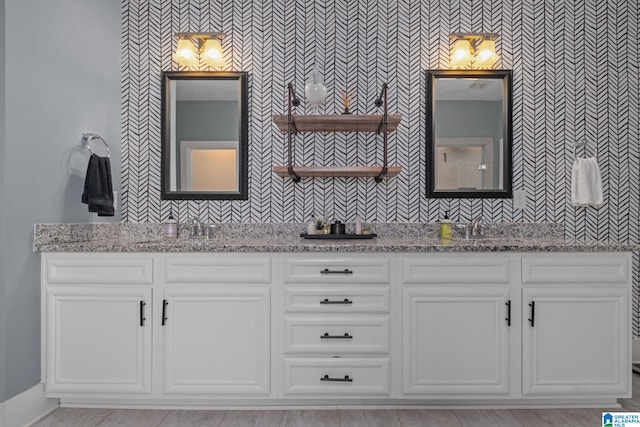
column 477, row 227
column 197, row 229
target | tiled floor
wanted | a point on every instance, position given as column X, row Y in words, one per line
column 68, row 417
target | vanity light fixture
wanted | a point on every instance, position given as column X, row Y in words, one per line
column 473, row 50
column 207, row 45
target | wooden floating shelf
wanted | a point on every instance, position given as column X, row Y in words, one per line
column 334, row 171
column 338, row 122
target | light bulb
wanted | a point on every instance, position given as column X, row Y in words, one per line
column 460, row 54
column 486, row 55
column 212, row 53
column 185, row 53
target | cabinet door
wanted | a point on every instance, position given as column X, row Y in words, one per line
column 455, row 341
column 578, row 343
column 217, row 341
column 98, row 340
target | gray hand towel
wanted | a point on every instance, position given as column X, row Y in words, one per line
column 98, row 189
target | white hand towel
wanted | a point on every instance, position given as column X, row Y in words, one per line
column 586, row 183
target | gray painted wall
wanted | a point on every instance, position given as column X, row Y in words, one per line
column 62, row 78
column 3, row 320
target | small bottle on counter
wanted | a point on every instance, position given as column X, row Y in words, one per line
column 170, row 227
column 358, row 225
column 311, row 226
column 446, row 227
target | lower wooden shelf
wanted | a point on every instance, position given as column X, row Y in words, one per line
column 333, row 171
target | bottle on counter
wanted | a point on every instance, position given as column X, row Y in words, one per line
column 358, row 225
column 311, row 226
column 170, row 227
column 446, row 227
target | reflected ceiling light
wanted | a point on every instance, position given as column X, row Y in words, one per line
column 207, row 45
column 473, row 50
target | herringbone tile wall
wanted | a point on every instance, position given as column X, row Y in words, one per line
column 576, row 77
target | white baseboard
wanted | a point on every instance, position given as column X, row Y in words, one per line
column 27, row 407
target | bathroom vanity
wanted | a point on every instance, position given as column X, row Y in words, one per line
column 286, row 322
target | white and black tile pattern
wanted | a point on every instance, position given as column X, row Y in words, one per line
column 576, row 77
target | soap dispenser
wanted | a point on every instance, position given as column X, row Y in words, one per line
column 446, row 227
column 170, row 228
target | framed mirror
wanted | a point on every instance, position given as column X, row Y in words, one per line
column 204, row 135
column 469, row 133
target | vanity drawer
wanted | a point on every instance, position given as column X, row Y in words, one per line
column 577, row 268
column 100, row 269
column 334, row 269
column 336, row 299
column 337, row 377
column 218, row 268
column 336, row 335
column 464, row 269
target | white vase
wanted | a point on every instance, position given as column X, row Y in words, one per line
column 315, row 91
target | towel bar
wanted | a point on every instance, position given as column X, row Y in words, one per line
column 88, row 137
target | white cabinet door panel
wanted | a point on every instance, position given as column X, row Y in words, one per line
column 217, row 341
column 95, row 342
column 455, row 341
column 579, row 343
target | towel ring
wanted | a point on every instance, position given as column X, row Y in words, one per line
column 582, row 144
column 87, row 136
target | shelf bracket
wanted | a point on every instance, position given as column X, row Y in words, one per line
column 291, row 129
column 382, row 174
column 294, row 176
column 382, row 102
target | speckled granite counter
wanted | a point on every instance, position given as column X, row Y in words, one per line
column 406, row 237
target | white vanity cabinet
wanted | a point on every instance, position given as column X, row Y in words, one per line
column 336, row 325
column 216, row 325
column 97, row 323
column 457, row 326
column 328, row 328
column 576, row 334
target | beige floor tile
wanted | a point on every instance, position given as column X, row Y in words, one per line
column 252, row 419
column 135, row 418
column 312, row 418
column 587, row 416
column 545, row 418
column 428, row 418
column 487, row 418
column 369, row 418
column 193, row 418
column 72, row 417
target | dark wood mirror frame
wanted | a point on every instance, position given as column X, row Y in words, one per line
column 168, row 128
column 506, row 171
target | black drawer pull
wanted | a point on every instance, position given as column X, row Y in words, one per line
column 327, row 301
column 327, row 271
column 346, row 336
column 142, row 318
column 532, row 319
column 164, row 311
column 508, row 318
column 346, row 379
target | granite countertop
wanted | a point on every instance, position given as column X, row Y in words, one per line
column 286, row 238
